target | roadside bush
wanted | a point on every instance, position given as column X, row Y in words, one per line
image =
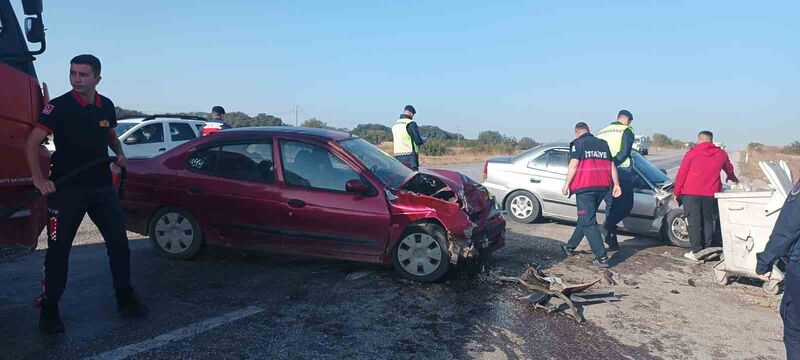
column 793, row 148
column 755, row 147
column 434, row 148
column 526, row 143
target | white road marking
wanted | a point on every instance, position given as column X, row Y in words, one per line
column 179, row 334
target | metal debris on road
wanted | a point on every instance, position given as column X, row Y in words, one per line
column 546, row 288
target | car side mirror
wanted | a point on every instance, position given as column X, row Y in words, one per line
column 356, row 186
column 131, row 140
column 34, row 29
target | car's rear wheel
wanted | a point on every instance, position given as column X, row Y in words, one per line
column 421, row 254
column 523, row 207
column 176, row 234
column 676, row 229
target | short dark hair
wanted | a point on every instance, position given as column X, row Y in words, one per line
column 707, row 133
column 581, row 126
column 88, row 59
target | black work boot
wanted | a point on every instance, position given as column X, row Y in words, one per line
column 50, row 319
column 129, row 306
column 601, row 262
column 611, row 241
column 567, row 250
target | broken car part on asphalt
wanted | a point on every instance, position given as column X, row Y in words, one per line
column 545, row 288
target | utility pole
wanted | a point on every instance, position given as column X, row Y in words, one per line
column 296, row 112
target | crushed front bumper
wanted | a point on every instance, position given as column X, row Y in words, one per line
column 486, row 238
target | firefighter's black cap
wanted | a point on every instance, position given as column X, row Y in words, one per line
column 410, row 109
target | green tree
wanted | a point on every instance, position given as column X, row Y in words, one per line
column 526, row 143
column 793, row 148
column 434, row 132
column 661, row 140
column 374, row 133
column 491, row 137
column 315, row 123
column 128, row 114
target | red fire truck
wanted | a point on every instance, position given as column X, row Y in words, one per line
column 21, row 101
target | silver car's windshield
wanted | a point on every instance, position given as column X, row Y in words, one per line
column 384, row 166
column 649, row 171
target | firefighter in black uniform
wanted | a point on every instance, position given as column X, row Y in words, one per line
column 82, row 123
column 590, row 176
column 783, row 244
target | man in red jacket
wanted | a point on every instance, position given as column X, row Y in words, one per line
column 697, row 182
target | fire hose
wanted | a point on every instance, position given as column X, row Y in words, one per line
column 7, row 212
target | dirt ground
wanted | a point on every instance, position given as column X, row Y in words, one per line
column 672, row 308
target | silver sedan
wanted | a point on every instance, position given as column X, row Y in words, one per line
column 528, row 186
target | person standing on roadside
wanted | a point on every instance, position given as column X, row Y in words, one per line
column 620, row 137
column 217, row 121
column 783, row 244
column 407, row 139
column 697, row 181
column 82, row 123
column 590, row 176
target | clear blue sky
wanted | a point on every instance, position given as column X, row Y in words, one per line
column 526, row 68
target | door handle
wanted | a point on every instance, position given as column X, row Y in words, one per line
column 536, row 180
column 162, row 149
column 736, row 209
column 195, row 190
column 296, row 203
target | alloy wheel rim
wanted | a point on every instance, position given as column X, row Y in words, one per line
column 521, row 207
column 680, row 228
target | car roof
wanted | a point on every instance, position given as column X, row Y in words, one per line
column 171, row 117
column 316, row 132
column 141, row 120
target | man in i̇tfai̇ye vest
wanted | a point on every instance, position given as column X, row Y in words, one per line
column 407, row 139
column 619, row 136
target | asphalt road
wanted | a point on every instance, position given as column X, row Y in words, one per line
column 225, row 305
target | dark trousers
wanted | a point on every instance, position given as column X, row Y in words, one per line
column 790, row 311
column 701, row 214
column 66, row 209
column 588, row 202
column 411, row 160
column 617, row 209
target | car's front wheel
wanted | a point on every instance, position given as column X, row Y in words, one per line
column 523, row 207
column 421, row 254
column 175, row 233
column 676, row 229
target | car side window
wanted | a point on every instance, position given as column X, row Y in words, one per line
column 181, row 132
column 540, row 162
column 148, row 134
column 204, row 161
column 247, row 162
column 311, row 166
column 199, row 128
column 558, row 161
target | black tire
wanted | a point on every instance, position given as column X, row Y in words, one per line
column 405, row 254
column 671, row 229
column 529, row 200
column 173, row 245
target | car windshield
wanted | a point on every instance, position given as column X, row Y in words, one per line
column 649, row 171
column 384, row 166
column 123, row 127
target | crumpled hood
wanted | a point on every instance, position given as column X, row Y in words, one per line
column 474, row 196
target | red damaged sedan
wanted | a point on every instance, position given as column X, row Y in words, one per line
column 310, row 192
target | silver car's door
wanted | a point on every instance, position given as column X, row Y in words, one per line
column 642, row 216
column 549, row 171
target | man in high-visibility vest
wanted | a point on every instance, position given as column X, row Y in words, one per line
column 619, row 136
column 407, row 139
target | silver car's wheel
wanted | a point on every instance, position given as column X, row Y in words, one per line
column 522, row 206
column 676, row 229
column 175, row 233
column 421, row 254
